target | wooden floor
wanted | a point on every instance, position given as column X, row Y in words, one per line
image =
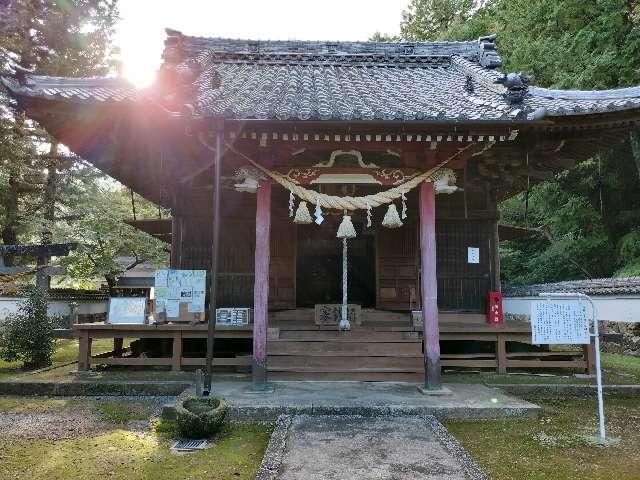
column 386, row 347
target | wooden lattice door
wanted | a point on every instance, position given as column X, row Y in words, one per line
column 397, row 268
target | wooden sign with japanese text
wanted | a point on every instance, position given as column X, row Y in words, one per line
column 559, row 322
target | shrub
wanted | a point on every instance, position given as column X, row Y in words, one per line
column 200, row 417
column 27, row 335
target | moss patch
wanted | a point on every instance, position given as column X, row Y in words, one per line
column 121, row 454
column 554, row 447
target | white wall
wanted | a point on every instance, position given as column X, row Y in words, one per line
column 619, row 308
column 10, row 305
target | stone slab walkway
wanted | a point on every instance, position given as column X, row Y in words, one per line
column 371, row 398
column 325, row 447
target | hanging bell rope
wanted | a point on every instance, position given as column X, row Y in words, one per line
column 344, row 310
column 353, row 203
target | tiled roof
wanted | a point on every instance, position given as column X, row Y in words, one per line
column 70, row 294
column 113, row 90
column 597, row 287
column 349, row 81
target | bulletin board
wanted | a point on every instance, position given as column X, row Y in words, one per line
column 180, row 294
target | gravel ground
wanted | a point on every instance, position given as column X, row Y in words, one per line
column 51, row 425
column 72, row 423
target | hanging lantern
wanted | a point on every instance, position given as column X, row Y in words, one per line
column 303, row 217
column 391, row 218
column 346, row 230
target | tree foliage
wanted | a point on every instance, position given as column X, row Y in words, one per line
column 46, row 193
column 591, row 213
column 27, row 336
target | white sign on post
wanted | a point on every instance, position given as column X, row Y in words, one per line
column 127, row 310
column 565, row 322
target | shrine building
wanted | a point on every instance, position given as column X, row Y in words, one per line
column 283, row 162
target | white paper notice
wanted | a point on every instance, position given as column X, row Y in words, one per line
column 173, row 308
column 473, row 255
column 161, row 278
column 564, row 322
column 160, row 304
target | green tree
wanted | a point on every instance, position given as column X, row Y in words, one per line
column 429, row 19
column 589, row 214
column 65, row 38
column 99, row 209
column 28, row 335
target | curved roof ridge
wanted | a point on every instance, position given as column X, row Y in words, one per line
column 180, row 47
column 610, row 94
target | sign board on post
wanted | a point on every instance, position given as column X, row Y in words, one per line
column 554, row 323
column 567, row 322
column 180, row 294
column 127, row 310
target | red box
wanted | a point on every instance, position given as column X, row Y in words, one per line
column 494, row 309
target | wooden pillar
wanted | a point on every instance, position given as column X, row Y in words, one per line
column 215, row 244
column 501, row 354
column 261, row 285
column 84, row 351
column 589, row 355
column 429, row 286
column 176, row 240
column 176, row 352
column 117, row 346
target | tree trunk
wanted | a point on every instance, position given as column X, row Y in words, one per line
column 49, row 201
column 634, row 138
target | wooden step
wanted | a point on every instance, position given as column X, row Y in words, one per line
column 331, row 348
column 360, row 335
column 371, row 315
column 345, row 363
column 371, row 376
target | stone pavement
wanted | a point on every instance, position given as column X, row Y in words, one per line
column 346, row 447
column 370, row 398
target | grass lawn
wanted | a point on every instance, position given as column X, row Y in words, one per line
column 66, row 351
column 554, row 446
column 116, row 451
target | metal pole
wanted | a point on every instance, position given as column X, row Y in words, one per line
column 596, row 341
column 596, row 335
column 211, row 330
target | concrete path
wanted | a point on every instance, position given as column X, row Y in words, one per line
column 371, row 398
column 321, row 447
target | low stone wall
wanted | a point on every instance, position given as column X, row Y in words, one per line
column 621, row 338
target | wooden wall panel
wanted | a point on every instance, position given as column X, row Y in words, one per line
column 463, row 286
column 397, row 268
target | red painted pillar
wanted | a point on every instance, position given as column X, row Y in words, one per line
column 261, row 285
column 429, row 286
